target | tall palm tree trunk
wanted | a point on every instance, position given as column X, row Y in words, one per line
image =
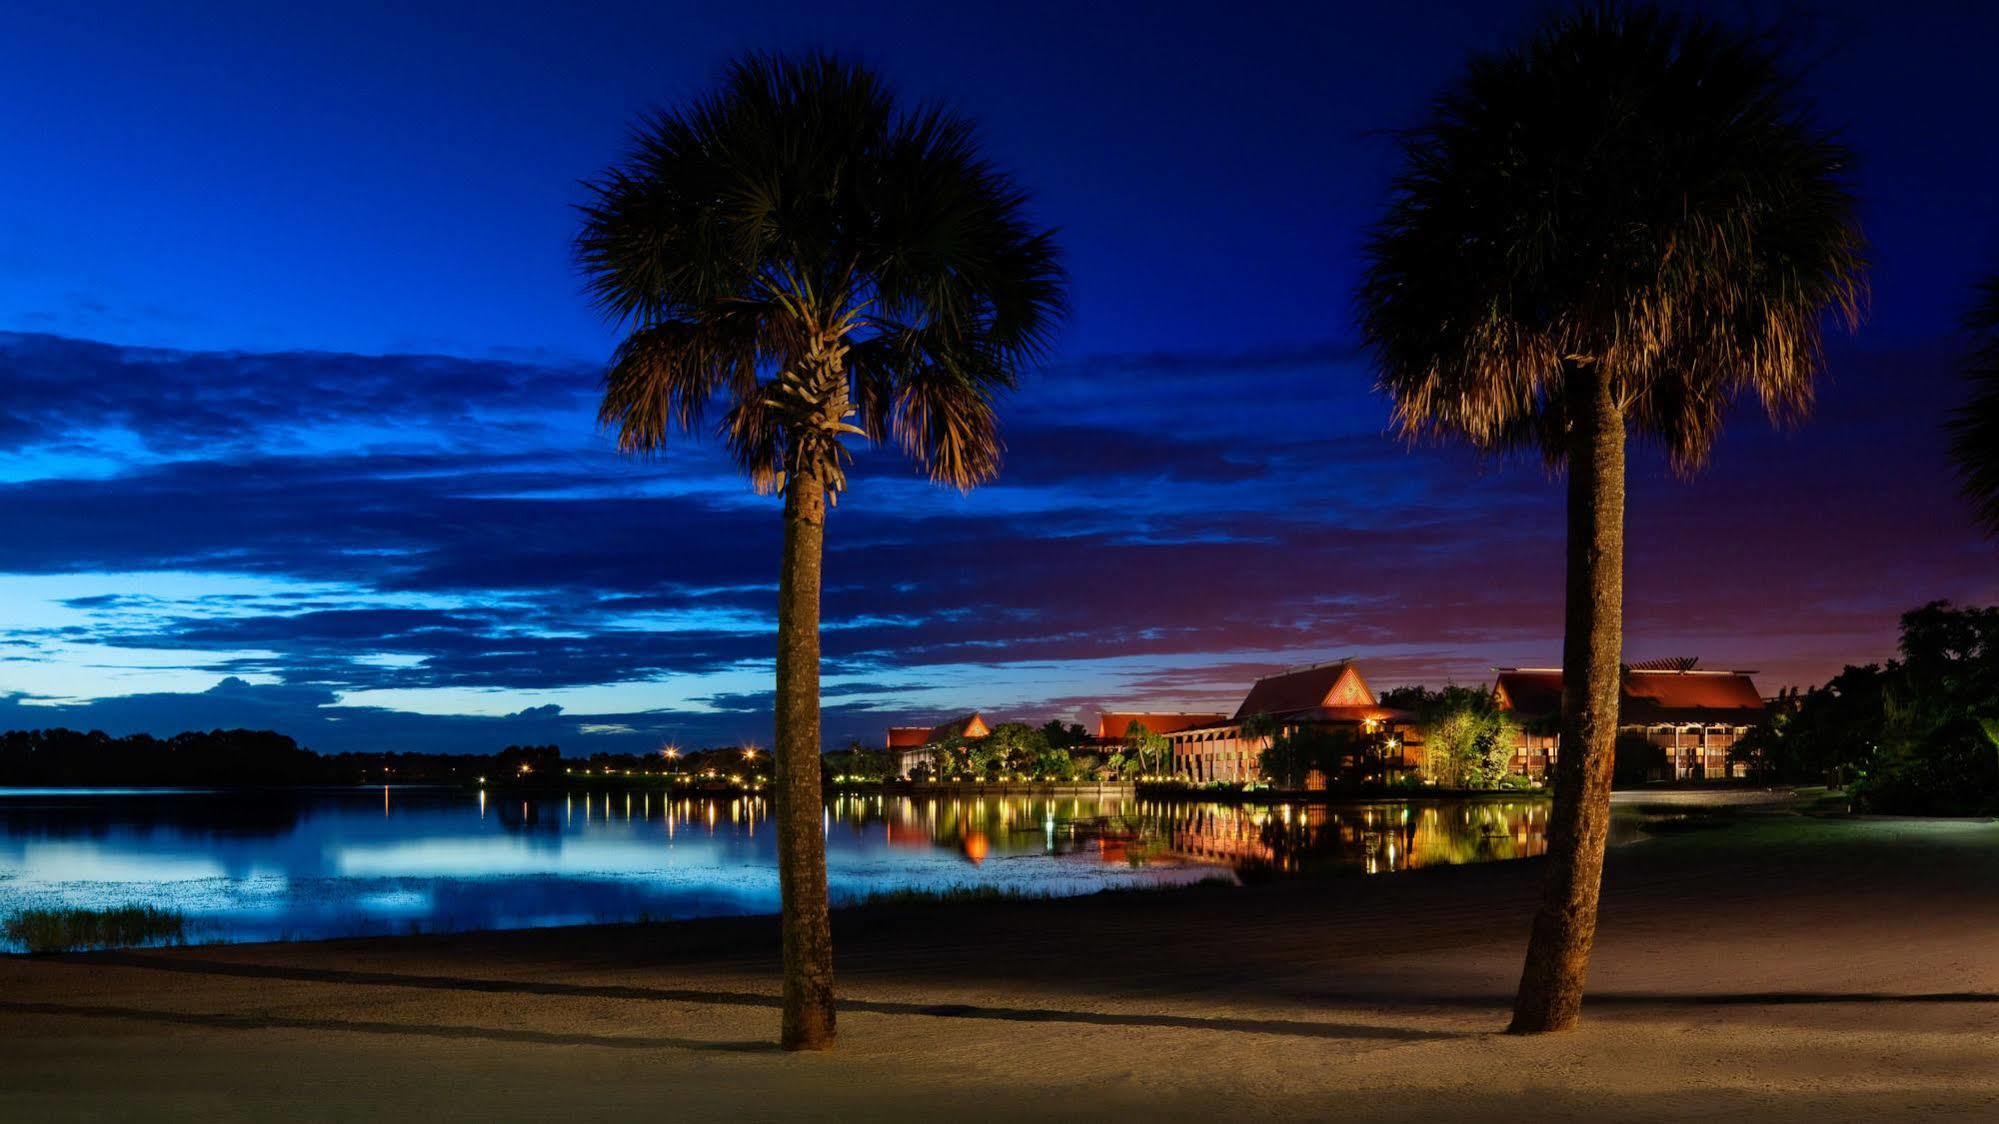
column 1551, row 984
column 801, row 838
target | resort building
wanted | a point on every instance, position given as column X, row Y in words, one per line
column 1326, row 694
column 910, row 745
column 1695, row 716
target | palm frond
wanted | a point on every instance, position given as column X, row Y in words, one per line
column 662, row 377
column 1974, row 426
column 798, row 215
column 754, row 435
column 1632, row 191
column 947, row 424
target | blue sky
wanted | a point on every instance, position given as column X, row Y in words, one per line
column 297, row 424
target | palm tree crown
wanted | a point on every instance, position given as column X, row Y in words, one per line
column 1974, row 429
column 798, row 249
column 1630, row 191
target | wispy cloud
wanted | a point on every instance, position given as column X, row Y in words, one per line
column 404, row 547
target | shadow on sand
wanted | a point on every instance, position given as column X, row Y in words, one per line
column 1293, row 1027
column 418, row 1030
column 1639, row 999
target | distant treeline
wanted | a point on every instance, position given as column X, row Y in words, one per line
column 59, row 758
column 72, row 757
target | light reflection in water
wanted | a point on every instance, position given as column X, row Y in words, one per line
column 327, row 862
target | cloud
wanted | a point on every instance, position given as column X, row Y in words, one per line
column 426, row 530
column 180, row 402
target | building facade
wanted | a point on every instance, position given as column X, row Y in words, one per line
column 1332, row 695
column 909, row 746
column 1694, row 716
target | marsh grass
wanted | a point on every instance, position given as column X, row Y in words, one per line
column 73, row 930
column 966, row 894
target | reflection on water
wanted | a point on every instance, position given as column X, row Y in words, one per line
column 262, row 865
column 1375, row 838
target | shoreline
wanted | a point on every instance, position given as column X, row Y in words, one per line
column 1787, row 966
column 1719, row 793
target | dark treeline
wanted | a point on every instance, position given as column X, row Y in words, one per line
column 60, row 757
column 71, row 757
column 1918, row 735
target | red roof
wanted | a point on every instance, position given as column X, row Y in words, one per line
column 1650, row 696
column 1111, row 726
column 971, row 727
column 1336, row 684
column 1530, row 692
column 1675, row 696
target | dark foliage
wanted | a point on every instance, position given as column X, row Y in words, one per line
column 1952, row 771
column 1631, row 192
column 72, row 930
column 858, row 762
column 1919, row 736
column 1638, row 761
column 218, row 758
column 1296, row 753
column 1069, row 735
column 799, row 247
column 37, row 758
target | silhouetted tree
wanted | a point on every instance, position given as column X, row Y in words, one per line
column 1064, row 735
column 801, row 250
column 529, row 761
column 859, row 762
column 1619, row 225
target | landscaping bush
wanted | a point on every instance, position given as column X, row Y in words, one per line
column 1952, row 772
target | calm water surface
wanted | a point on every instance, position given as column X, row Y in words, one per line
column 344, row 862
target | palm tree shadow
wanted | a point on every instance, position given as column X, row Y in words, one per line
column 1293, row 1027
column 1783, row 998
column 225, row 1021
column 1638, row 999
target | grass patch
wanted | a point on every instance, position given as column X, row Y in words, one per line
column 1682, row 824
column 73, row 930
column 966, row 895
column 951, row 895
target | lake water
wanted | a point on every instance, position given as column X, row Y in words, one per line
column 345, row 862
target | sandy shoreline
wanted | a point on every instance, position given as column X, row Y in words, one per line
column 1786, row 967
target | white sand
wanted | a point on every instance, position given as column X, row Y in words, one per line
column 1781, row 969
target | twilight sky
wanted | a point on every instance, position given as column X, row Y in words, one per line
column 297, row 384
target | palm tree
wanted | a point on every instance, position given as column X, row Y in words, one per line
column 1974, row 428
column 1617, row 226
column 1147, row 748
column 821, row 264
column 1261, row 727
